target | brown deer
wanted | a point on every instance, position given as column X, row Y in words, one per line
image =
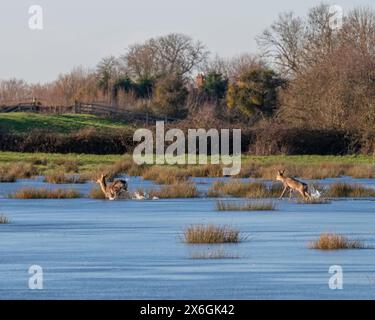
column 292, row 184
column 114, row 189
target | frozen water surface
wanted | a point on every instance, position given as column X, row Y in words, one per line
column 128, row 249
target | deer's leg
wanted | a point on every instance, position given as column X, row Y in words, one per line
column 303, row 194
column 282, row 194
column 306, row 190
column 290, row 193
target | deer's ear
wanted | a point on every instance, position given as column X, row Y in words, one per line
column 282, row 171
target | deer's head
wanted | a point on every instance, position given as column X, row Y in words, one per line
column 280, row 175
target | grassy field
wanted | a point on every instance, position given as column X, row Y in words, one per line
column 311, row 159
column 19, row 122
column 15, row 165
column 88, row 162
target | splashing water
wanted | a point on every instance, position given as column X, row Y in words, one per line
column 314, row 193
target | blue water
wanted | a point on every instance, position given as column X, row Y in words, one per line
column 128, row 249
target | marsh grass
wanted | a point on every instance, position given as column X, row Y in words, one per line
column 68, row 165
column 213, row 254
column 42, row 193
column 178, row 190
column 320, row 170
column 331, row 241
column 262, row 205
column 348, row 190
column 210, row 234
column 165, row 175
column 96, row 193
column 204, row 170
column 17, row 170
column 244, row 189
column 4, row 219
column 5, row 176
column 61, row 178
column 126, row 166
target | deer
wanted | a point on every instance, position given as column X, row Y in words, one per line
column 114, row 189
column 292, row 184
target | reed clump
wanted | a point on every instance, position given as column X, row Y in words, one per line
column 245, row 189
column 211, row 234
column 177, row 190
column 42, row 193
column 63, row 178
column 349, row 190
column 331, row 241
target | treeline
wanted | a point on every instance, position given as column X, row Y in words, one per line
column 313, row 81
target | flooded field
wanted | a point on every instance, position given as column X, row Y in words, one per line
column 129, row 249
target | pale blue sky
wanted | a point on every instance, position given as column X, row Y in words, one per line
column 81, row 32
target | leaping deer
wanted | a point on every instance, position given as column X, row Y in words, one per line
column 114, row 189
column 292, row 184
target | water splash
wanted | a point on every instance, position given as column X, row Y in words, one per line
column 314, row 193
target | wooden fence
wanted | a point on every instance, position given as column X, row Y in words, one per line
column 85, row 108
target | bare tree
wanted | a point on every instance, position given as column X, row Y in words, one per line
column 359, row 29
column 231, row 68
column 296, row 44
column 171, row 54
column 283, row 42
column 14, row 90
column 140, row 60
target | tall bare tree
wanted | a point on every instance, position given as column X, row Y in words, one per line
column 283, row 42
column 174, row 53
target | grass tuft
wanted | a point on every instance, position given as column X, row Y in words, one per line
column 61, row 178
column 178, row 190
column 96, row 193
column 331, row 241
column 244, row 189
column 245, row 206
column 347, row 190
column 209, row 234
column 42, row 193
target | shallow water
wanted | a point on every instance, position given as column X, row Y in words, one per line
column 95, row 249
